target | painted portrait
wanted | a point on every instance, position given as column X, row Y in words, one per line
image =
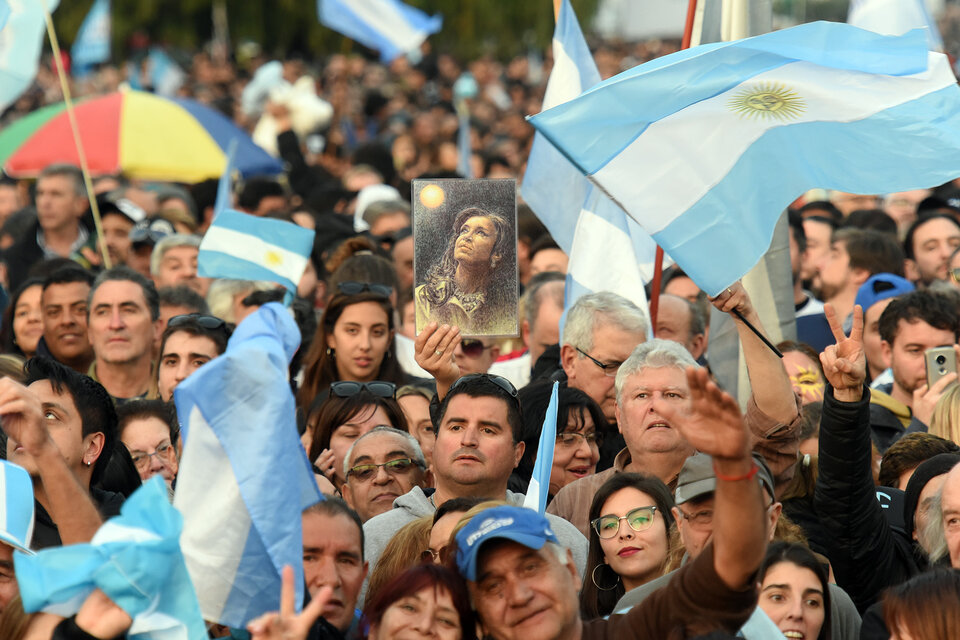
column 465, row 255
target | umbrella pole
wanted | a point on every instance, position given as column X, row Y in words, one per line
column 64, row 86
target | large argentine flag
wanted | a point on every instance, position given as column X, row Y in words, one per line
column 894, row 18
column 539, row 488
column 706, row 147
column 244, row 478
column 389, row 26
column 607, row 250
column 134, row 559
column 245, row 247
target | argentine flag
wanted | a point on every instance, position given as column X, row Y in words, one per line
column 92, row 45
column 244, row 477
column 608, row 251
column 894, row 18
column 389, row 26
column 21, row 42
column 539, row 487
column 705, row 147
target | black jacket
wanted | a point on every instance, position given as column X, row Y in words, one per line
column 867, row 554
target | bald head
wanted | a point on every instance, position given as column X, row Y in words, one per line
column 678, row 320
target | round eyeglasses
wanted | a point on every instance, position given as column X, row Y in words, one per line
column 639, row 519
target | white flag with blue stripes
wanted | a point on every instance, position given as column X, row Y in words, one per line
column 539, row 487
column 21, row 42
column 608, row 251
column 92, row 45
column 389, row 26
column 707, row 146
column 244, row 477
column 894, row 18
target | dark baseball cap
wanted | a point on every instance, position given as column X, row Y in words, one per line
column 697, row 477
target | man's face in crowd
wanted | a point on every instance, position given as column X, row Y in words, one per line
column 694, row 520
column 416, row 409
column 902, row 206
column 922, row 515
column 65, row 320
column 65, row 426
column 546, row 326
column 872, row 342
column 850, row 202
column 183, row 353
column 834, row 270
column 58, row 205
column 403, row 262
column 9, row 201
column 950, row 506
column 548, row 260
column 333, row 557
column 933, row 242
column 179, row 267
column 643, row 429
column 611, row 345
column 682, row 287
column 116, row 237
column 371, row 495
column 673, row 323
column 474, row 444
column 525, row 594
column 475, row 355
column 120, row 327
column 8, row 578
column 905, row 355
column 818, row 244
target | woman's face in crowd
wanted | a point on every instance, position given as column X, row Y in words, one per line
column 475, row 241
column 792, row 597
column 28, row 320
column 360, row 337
column 636, row 556
column 576, row 453
column 344, row 435
column 804, row 376
column 426, row 613
column 148, row 440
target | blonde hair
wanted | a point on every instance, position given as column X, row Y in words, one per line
column 404, row 550
column 946, row 415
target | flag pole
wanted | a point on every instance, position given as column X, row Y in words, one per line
column 68, row 102
column 658, row 259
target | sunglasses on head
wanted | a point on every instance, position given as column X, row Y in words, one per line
column 473, row 348
column 500, row 381
column 378, row 388
column 211, row 323
column 354, row 288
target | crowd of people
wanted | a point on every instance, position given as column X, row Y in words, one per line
column 827, row 507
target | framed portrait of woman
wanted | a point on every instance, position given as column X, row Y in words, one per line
column 465, row 255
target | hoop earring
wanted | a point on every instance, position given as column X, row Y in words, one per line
column 593, row 577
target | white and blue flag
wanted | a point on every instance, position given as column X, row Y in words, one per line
column 707, row 146
column 92, row 45
column 21, row 42
column 539, row 487
column 389, row 26
column 895, row 18
column 4, row 12
column 244, row 477
column 608, row 251
column 134, row 558
column 166, row 76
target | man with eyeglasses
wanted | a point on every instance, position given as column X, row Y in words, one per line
column 478, row 445
column 381, row 466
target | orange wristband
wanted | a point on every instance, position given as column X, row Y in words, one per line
column 747, row 476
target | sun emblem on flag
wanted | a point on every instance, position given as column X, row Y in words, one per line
column 273, row 258
column 768, row 100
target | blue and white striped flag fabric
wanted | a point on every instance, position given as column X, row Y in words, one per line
column 224, row 200
column 4, row 12
column 244, row 247
column 894, row 18
column 707, row 146
column 21, row 42
column 539, row 487
column 166, row 76
column 389, row 26
column 134, row 558
column 92, row 45
column 244, row 477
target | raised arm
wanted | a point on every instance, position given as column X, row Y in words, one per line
column 433, row 351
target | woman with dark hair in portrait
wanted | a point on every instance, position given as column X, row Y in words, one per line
column 468, row 287
column 794, row 592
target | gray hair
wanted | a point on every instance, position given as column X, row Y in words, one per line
column 221, row 293
column 66, row 170
column 537, row 294
column 653, row 354
column 167, row 243
column 932, row 539
column 377, row 210
column 596, row 309
column 418, row 458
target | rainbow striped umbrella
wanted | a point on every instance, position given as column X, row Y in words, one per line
column 141, row 134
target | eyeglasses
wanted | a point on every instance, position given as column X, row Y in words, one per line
column 698, row 520
column 365, row 472
column 639, row 519
column 378, row 388
column 141, row 459
column 573, row 439
column 955, row 275
column 500, row 381
column 609, row 370
column 473, row 348
column 354, row 288
column 210, row 323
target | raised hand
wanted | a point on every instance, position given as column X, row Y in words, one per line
column 433, row 350
column 711, row 422
column 844, row 363
column 286, row 624
column 21, row 417
column 100, row 617
column 734, row 298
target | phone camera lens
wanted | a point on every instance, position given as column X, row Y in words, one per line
column 941, row 359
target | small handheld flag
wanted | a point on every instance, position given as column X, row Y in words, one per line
column 539, row 488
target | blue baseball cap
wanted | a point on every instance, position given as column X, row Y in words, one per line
column 881, row 286
column 16, row 506
column 525, row 526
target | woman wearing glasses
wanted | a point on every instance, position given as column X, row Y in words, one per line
column 630, row 521
column 474, row 285
column 353, row 342
column 149, row 430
